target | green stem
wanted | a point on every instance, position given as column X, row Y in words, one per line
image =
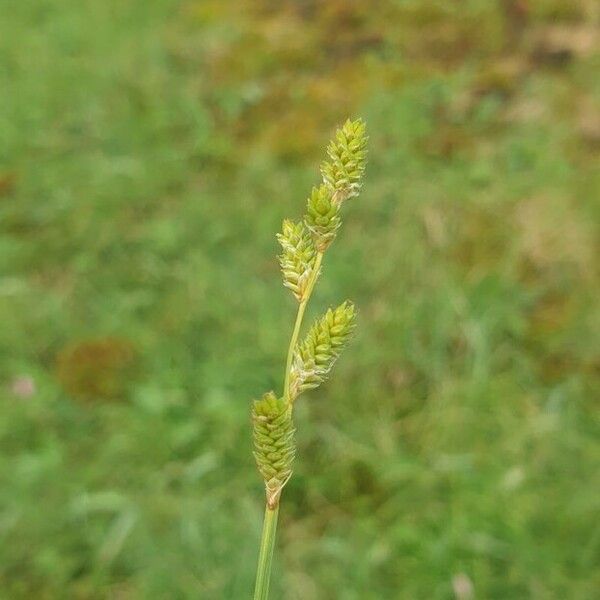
column 265, row 558
column 298, row 324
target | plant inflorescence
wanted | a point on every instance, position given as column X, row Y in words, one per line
column 309, row 361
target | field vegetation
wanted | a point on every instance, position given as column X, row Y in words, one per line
column 149, row 150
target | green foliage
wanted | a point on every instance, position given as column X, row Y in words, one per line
column 459, row 438
column 274, row 447
column 315, row 356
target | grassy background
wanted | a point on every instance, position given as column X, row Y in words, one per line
column 150, row 150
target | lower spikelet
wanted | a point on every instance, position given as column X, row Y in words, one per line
column 274, row 446
column 316, row 355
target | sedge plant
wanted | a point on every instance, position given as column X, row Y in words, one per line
column 304, row 244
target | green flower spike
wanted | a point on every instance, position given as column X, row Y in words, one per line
column 322, row 216
column 274, row 447
column 315, row 356
column 298, row 257
column 347, row 154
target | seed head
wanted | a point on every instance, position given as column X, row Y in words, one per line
column 274, row 446
column 297, row 258
column 322, row 216
column 347, row 158
column 316, row 355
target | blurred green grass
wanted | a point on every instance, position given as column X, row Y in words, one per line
column 148, row 154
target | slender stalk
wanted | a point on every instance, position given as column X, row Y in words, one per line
column 265, row 558
column 263, row 573
column 298, row 324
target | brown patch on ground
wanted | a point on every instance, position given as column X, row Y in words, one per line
column 552, row 233
column 96, row 369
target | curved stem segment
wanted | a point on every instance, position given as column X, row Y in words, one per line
column 298, row 324
column 265, row 558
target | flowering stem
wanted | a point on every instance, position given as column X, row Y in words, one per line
column 298, row 324
column 263, row 572
column 303, row 244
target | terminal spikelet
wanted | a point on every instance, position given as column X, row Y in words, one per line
column 322, row 216
column 347, row 158
column 274, row 446
column 315, row 356
column 297, row 258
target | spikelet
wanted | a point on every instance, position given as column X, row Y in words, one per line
column 274, row 446
column 322, row 216
column 297, row 258
column 315, row 356
column 347, row 158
